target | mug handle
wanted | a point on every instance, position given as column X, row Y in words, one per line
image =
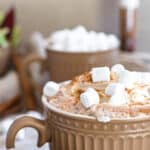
column 23, row 122
column 34, row 57
column 30, row 103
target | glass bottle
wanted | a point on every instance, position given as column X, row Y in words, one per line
column 128, row 24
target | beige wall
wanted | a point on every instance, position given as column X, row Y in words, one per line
column 100, row 15
column 49, row 15
column 144, row 26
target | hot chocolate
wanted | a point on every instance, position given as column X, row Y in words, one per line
column 104, row 93
column 117, row 98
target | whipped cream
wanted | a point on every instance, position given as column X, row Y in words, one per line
column 100, row 74
column 89, row 98
column 81, row 40
column 51, row 88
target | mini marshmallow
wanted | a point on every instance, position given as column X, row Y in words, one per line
column 112, row 88
column 113, row 42
column 89, row 98
column 81, row 40
column 80, row 30
column 118, row 99
column 119, row 96
column 100, row 74
column 102, row 42
column 51, row 88
column 127, row 78
column 59, row 47
column 91, row 41
column 117, row 68
column 59, row 36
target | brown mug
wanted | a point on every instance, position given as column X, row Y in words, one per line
column 67, row 131
column 65, row 65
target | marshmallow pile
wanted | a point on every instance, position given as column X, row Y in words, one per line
column 81, row 40
column 116, row 91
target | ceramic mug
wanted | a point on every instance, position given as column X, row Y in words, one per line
column 67, row 131
column 63, row 65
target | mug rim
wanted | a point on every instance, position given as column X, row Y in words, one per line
column 79, row 53
column 90, row 118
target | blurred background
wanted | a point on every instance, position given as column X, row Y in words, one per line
column 100, row 15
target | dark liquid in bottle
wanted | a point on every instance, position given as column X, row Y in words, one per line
column 128, row 19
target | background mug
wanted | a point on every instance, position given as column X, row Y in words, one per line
column 63, row 66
